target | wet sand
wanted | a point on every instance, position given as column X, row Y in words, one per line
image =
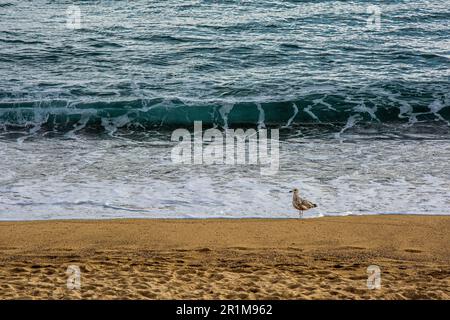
column 323, row 258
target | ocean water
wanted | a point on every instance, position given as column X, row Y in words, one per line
column 91, row 91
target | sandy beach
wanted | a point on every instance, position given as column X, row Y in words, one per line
column 322, row 258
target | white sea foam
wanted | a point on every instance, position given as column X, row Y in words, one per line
column 117, row 178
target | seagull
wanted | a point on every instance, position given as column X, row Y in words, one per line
column 299, row 203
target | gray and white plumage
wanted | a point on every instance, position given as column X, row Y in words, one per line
column 299, row 203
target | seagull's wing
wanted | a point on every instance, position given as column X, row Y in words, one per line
column 308, row 203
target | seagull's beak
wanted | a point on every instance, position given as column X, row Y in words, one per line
column 290, row 191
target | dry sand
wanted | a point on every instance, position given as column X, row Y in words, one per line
column 324, row 258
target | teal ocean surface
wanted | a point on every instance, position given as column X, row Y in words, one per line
column 90, row 92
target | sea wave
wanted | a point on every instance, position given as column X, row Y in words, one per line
column 64, row 115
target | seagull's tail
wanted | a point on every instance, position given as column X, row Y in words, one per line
column 314, row 205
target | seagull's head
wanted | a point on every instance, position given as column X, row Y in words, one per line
column 295, row 190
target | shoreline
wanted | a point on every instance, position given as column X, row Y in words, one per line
column 231, row 218
column 236, row 258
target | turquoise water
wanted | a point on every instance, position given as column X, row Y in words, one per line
column 86, row 110
column 162, row 63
